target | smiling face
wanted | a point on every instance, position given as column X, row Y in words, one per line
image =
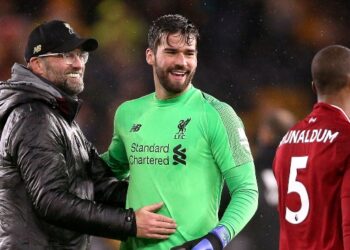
column 174, row 64
column 67, row 77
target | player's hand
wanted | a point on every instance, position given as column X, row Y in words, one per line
column 152, row 225
column 207, row 242
column 217, row 239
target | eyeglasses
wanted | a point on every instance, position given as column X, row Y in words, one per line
column 69, row 57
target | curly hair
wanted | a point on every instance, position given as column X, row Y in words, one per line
column 171, row 24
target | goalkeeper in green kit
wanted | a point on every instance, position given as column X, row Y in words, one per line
column 178, row 145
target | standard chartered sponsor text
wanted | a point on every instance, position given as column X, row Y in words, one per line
column 149, row 148
column 139, row 158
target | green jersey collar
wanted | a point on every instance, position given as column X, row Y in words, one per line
column 181, row 98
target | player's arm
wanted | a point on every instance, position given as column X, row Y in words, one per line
column 241, row 182
column 115, row 156
column 230, row 148
column 345, row 204
column 242, row 185
column 236, row 164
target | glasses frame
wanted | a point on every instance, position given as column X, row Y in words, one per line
column 69, row 57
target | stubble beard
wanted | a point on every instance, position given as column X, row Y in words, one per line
column 71, row 86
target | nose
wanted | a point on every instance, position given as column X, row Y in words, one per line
column 78, row 62
column 180, row 59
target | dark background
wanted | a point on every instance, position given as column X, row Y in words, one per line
column 253, row 54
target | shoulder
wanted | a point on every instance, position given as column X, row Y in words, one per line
column 32, row 109
column 138, row 103
column 32, row 123
column 216, row 107
column 33, row 117
column 132, row 108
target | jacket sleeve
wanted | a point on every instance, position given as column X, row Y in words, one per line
column 107, row 188
column 37, row 145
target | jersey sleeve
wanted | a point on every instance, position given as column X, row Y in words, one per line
column 241, row 183
column 345, row 204
column 232, row 153
column 228, row 140
column 115, row 156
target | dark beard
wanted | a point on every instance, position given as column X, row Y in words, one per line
column 168, row 86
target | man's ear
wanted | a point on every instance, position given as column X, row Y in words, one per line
column 313, row 87
column 150, row 56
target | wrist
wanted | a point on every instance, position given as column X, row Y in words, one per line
column 223, row 234
column 131, row 220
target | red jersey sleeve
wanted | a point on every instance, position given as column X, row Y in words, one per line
column 345, row 200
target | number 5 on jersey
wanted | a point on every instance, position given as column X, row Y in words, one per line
column 297, row 187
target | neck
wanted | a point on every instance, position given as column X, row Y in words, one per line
column 341, row 100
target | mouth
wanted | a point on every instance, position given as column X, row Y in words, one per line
column 178, row 74
column 74, row 75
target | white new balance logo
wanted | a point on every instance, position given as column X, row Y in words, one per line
column 312, row 119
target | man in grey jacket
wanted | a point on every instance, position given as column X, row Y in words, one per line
column 54, row 188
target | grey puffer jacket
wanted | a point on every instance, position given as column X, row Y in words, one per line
column 54, row 188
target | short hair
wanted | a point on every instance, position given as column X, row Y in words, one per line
column 330, row 69
column 171, row 24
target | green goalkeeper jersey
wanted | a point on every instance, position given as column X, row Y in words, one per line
column 178, row 151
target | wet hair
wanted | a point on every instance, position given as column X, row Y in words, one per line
column 330, row 69
column 171, row 24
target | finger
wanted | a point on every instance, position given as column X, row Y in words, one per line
column 165, row 225
column 163, row 218
column 154, row 207
column 157, row 236
column 163, row 231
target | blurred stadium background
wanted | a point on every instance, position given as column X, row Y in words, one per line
column 253, row 54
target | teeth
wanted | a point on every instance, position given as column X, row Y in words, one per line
column 178, row 73
column 74, row 75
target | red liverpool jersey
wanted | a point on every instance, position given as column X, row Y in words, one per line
column 312, row 169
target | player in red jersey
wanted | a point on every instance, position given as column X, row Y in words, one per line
column 312, row 162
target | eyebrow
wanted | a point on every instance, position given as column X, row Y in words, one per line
column 176, row 49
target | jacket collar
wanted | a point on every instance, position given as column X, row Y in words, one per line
column 24, row 79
